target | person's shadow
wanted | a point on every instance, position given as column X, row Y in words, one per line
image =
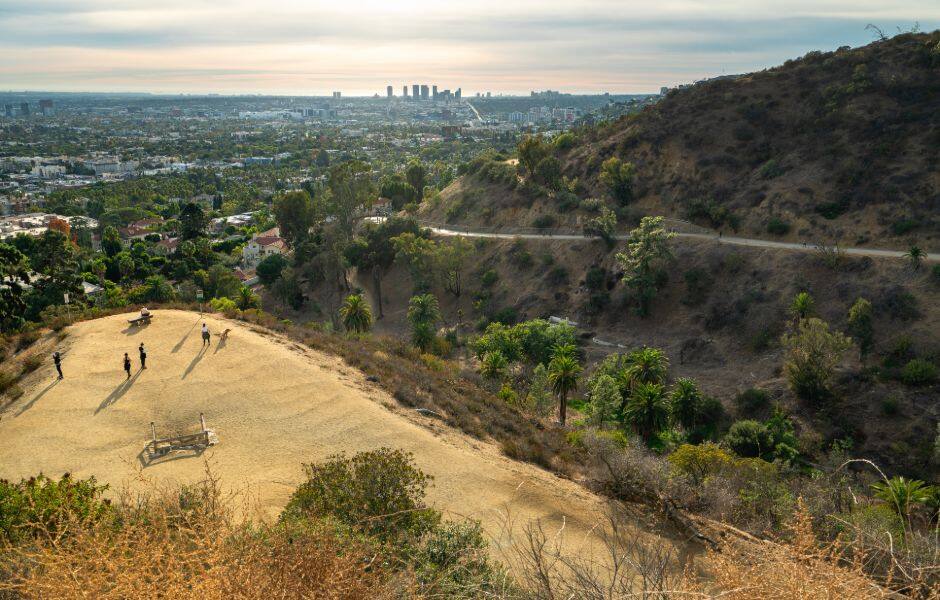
column 220, row 344
column 195, row 361
column 35, row 398
column 180, row 343
column 119, row 391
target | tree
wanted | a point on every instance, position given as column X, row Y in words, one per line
column 192, row 221
column 860, row 325
column 376, row 251
column 539, row 397
column 915, row 257
column 269, row 269
column 618, row 177
column 685, row 400
column 647, row 410
column 452, row 259
column 802, row 306
column 645, row 365
column 356, row 314
column 53, row 256
column 218, row 282
column 125, row 263
column 420, row 255
column 14, row 274
column 901, row 494
column 247, row 299
column 398, row 191
column 813, row 352
column 415, row 173
column 647, row 246
column 295, row 215
column 604, row 398
column 287, row 289
column 493, row 365
column 350, row 190
column 423, row 314
column 563, row 372
column 531, row 150
column 111, row 241
column 548, row 172
column 603, row 226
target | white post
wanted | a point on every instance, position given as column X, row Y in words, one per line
column 153, row 432
column 202, row 421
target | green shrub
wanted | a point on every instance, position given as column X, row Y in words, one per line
column 544, row 222
column 903, row 226
column 919, row 372
column 752, row 400
column 379, row 492
column 7, row 381
column 777, row 226
column 697, row 285
column 748, row 438
column 40, row 506
column 890, row 406
column 557, row 276
column 27, row 339
column 489, row 278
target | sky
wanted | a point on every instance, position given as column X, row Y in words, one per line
column 358, row 47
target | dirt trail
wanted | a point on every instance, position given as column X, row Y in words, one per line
column 274, row 406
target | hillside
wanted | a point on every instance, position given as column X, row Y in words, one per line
column 274, row 405
column 835, row 147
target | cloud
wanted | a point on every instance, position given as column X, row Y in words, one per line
column 294, row 46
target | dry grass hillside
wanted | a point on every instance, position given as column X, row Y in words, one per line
column 836, row 147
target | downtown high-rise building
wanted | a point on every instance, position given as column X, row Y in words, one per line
column 415, row 91
column 389, row 92
column 434, row 92
column 425, row 93
column 404, row 91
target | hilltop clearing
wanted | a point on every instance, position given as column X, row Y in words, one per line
column 274, row 406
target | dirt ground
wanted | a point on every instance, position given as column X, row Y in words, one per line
column 274, row 406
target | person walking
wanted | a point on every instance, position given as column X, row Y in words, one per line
column 127, row 365
column 143, row 356
column 57, row 359
column 205, row 335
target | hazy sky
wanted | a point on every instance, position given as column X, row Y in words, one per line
column 360, row 46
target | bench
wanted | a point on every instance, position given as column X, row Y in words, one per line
column 142, row 319
column 158, row 447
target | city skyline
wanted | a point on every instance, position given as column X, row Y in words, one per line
column 360, row 47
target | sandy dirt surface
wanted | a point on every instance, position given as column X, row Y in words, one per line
column 274, row 406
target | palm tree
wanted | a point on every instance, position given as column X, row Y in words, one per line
column 493, row 364
column 916, row 256
column 356, row 314
column 645, row 365
column 246, row 298
column 423, row 314
column 802, row 305
column 647, row 409
column 565, row 350
column 685, row 399
column 902, row 494
column 563, row 372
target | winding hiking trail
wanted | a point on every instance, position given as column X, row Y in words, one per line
column 274, row 405
column 714, row 237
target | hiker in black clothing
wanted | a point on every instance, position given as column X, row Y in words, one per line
column 57, row 359
column 143, row 356
column 127, row 365
column 205, row 335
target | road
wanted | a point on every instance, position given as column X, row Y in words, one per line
column 733, row 241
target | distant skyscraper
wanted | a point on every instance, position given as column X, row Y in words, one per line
column 457, row 94
column 416, row 91
column 389, row 92
column 46, row 108
column 24, row 109
column 404, row 91
column 8, row 110
column 434, row 92
column 337, row 95
column 425, row 92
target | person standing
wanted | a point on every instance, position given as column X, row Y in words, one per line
column 57, row 359
column 143, row 356
column 127, row 365
column 205, row 335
